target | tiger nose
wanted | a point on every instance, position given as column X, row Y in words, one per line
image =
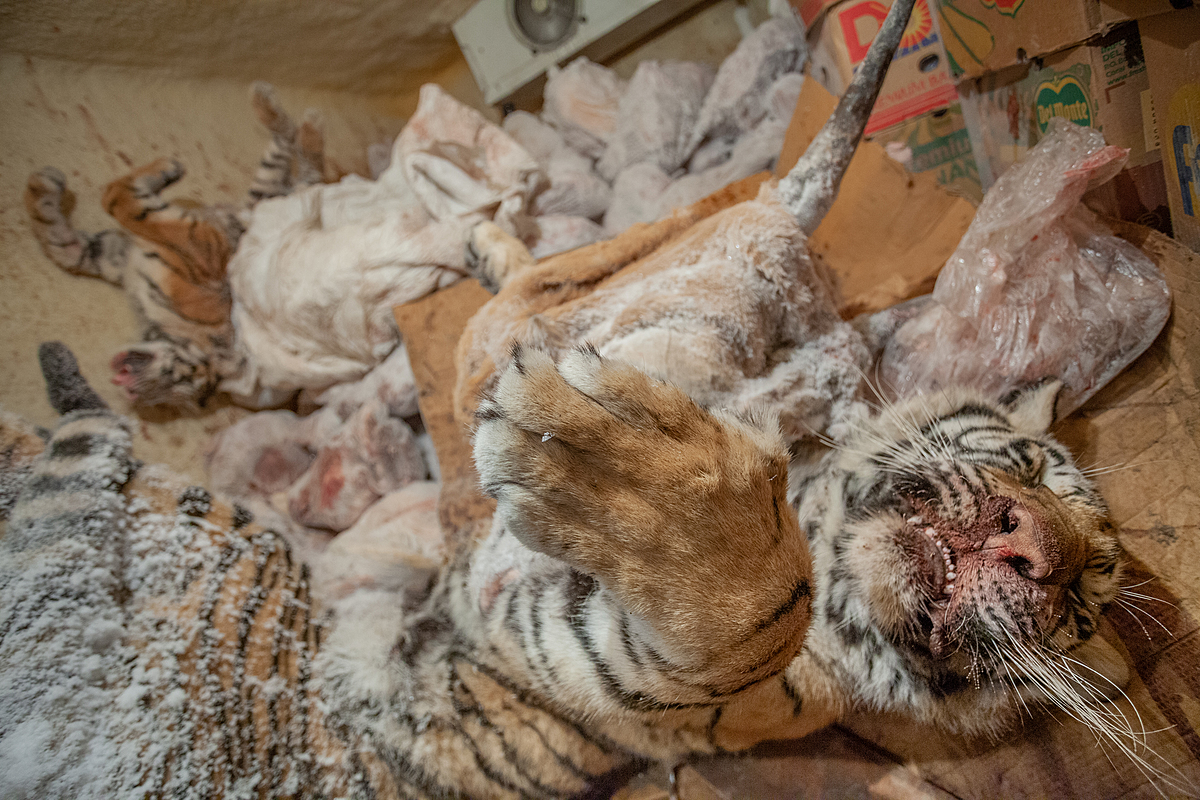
column 1021, row 540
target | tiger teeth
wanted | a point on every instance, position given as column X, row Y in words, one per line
column 947, row 557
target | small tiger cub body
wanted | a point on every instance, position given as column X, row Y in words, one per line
column 171, row 258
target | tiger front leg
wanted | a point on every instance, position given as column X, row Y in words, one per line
column 680, row 512
column 100, row 255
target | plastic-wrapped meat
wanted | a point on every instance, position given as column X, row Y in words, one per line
column 558, row 234
column 316, row 275
column 657, row 114
column 458, row 163
column 739, row 97
column 392, row 383
column 783, row 96
column 370, row 455
column 260, row 455
column 539, row 139
column 754, row 152
column 379, row 158
column 1037, row 287
column 712, row 153
column 575, row 188
column 397, row 545
column 635, row 196
column 333, row 463
column 581, row 100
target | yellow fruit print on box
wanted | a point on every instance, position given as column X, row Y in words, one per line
column 1008, row 8
column 1183, row 146
column 967, row 40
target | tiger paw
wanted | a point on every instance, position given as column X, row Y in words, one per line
column 156, row 176
column 494, row 256
column 44, row 201
column 270, row 112
column 163, row 373
column 47, row 186
column 680, row 511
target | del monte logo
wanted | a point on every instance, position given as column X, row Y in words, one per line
column 1064, row 97
column 1008, row 8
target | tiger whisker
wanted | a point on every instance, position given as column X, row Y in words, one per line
column 1108, row 469
column 1061, row 684
column 1125, row 591
column 1127, row 609
column 1139, row 583
column 1131, row 607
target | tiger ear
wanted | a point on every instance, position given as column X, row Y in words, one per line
column 1032, row 411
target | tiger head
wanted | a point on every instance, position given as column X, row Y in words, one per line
column 963, row 561
column 163, row 372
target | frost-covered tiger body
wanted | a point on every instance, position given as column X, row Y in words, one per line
column 156, row 639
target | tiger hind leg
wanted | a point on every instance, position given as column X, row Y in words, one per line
column 295, row 156
column 100, row 255
column 680, row 512
column 310, row 149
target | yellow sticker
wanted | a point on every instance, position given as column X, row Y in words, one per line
column 1182, row 147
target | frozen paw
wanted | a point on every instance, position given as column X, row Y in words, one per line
column 153, row 178
column 494, row 256
column 48, row 184
column 625, row 477
column 160, row 373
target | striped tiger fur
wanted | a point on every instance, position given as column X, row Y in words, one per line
column 645, row 593
column 659, row 581
column 171, row 259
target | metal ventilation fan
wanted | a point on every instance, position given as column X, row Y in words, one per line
column 543, row 24
column 510, row 43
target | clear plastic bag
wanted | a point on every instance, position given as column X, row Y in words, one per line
column 1037, row 288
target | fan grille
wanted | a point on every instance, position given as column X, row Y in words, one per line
column 543, row 24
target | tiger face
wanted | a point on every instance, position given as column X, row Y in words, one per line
column 163, row 372
column 962, row 562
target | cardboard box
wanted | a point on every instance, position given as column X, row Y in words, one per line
column 1172, row 46
column 810, row 10
column 982, row 36
column 917, row 81
column 1103, row 84
column 936, row 142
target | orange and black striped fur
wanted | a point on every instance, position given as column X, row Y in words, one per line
column 646, row 592
column 653, row 585
column 171, row 259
